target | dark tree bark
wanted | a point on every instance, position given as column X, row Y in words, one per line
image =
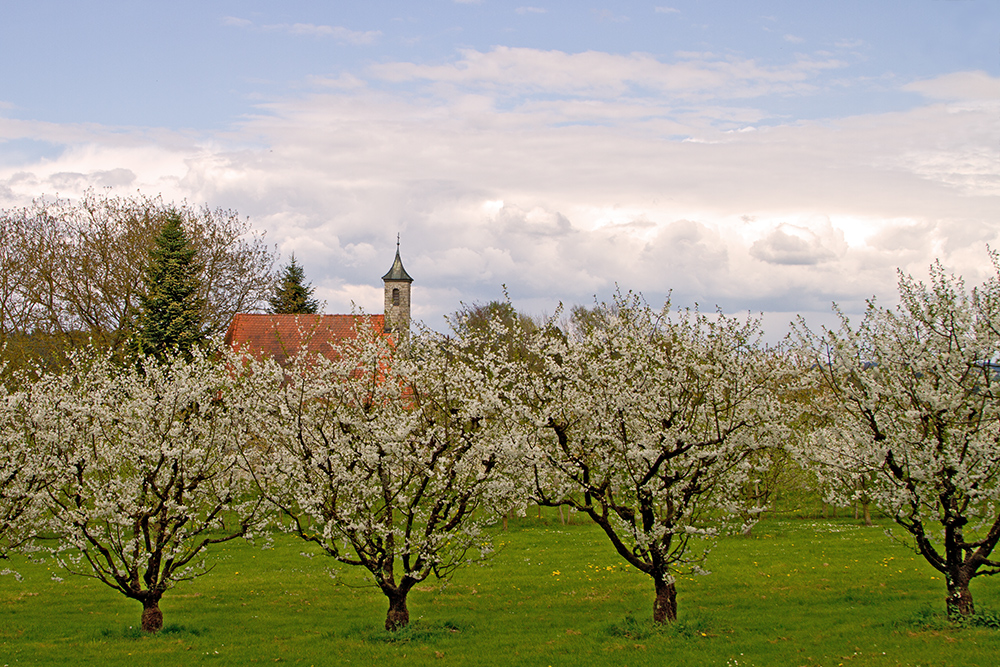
column 655, row 559
column 398, row 615
column 913, row 380
column 152, row 617
column 959, row 601
column 665, row 604
column 958, row 560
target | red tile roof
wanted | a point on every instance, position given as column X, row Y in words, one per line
column 282, row 336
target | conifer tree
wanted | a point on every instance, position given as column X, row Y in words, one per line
column 292, row 296
column 172, row 307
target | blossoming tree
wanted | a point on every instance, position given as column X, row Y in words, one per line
column 392, row 458
column 916, row 416
column 23, row 478
column 647, row 421
column 144, row 466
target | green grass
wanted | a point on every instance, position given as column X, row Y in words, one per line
column 799, row 592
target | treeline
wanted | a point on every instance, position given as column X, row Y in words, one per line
column 398, row 454
column 76, row 273
column 73, row 272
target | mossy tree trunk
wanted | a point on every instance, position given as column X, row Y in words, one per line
column 959, row 601
column 152, row 617
column 398, row 616
column 665, row 605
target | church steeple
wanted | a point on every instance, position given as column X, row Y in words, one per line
column 397, row 295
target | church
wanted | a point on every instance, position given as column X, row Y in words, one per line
column 283, row 336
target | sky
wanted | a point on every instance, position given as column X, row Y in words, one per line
column 770, row 157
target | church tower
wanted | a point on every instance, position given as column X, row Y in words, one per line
column 397, row 295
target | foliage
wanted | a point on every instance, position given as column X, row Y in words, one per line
column 913, row 401
column 76, row 267
column 291, row 294
column 143, row 466
column 650, row 422
column 391, row 459
column 495, row 331
column 478, row 318
column 170, row 308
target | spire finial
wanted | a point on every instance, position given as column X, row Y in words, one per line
column 397, row 241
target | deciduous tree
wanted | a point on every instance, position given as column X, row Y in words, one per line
column 392, row 459
column 24, row 475
column 144, row 466
column 916, row 416
column 76, row 267
column 648, row 422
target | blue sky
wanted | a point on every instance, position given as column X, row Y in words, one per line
column 772, row 156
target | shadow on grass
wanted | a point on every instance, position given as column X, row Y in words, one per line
column 418, row 632
column 929, row 618
column 171, row 631
column 632, row 628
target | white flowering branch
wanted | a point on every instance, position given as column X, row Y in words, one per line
column 143, row 464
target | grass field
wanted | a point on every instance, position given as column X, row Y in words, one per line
column 799, row 592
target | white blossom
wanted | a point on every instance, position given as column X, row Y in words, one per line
column 392, row 457
column 647, row 421
column 908, row 416
column 143, row 464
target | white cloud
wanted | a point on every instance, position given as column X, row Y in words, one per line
column 958, row 86
column 783, row 218
column 338, row 33
column 970, row 169
column 531, row 10
column 793, row 39
column 236, row 22
column 591, row 73
column 797, row 244
column 109, row 178
column 666, row 10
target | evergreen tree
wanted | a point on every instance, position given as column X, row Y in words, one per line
column 292, row 296
column 172, row 307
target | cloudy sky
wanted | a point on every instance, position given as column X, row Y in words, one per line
column 765, row 156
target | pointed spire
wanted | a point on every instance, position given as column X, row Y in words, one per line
column 397, row 272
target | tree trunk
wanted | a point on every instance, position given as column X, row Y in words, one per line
column 868, row 514
column 665, row 605
column 398, row 615
column 152, row 617
column 959, row 600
